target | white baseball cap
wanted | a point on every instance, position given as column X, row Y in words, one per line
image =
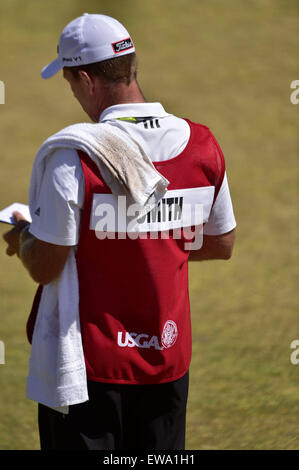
column 88, row 39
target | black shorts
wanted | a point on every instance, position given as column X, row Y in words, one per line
column 120, row 417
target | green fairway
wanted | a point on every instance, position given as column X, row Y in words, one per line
column 229, row 65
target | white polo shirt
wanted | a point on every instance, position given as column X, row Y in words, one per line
column 61, row 198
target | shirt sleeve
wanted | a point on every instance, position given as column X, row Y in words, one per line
column 221, row 219
column 61, row 199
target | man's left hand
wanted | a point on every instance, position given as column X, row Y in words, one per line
column 12, row 236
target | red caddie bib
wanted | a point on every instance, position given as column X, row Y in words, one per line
column 134, row 299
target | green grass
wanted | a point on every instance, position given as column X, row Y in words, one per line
column 228, row 65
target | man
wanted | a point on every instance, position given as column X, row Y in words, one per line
column 133, row 290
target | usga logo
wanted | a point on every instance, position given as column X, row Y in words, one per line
column 143, row 340
column 169, row 334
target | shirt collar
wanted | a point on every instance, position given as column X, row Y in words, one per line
column 133, row 110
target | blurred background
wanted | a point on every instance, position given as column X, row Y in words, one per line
column 229, row 65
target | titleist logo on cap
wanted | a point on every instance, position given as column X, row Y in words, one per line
column 122, row 45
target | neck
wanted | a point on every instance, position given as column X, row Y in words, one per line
column 120, row 94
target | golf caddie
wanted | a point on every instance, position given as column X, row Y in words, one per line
column 118, row 207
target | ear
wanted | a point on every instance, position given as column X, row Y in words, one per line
column 87, row 82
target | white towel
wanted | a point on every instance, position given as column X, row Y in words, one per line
column 126, row 169
column 57, row 374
